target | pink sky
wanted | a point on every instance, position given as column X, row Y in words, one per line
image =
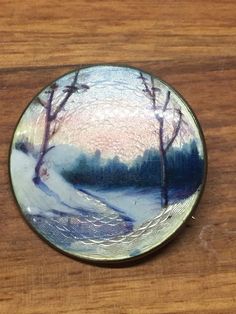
column 115, row 118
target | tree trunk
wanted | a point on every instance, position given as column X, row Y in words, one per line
column 151, row 93
column 163, row 162
column 164, row 186
column 44, row 147
column 49, row 117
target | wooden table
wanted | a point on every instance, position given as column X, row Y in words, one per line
column 191, row 45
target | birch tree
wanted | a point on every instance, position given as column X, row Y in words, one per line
column 53, row 109
column 170, row 120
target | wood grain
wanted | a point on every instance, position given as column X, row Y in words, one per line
column 190, row 44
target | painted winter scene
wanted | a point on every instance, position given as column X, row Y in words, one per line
column 107, row 162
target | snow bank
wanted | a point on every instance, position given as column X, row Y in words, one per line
column 34, row 201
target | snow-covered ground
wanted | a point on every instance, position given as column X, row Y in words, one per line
column 92, row 222
column 55, row 198
column 141, row 204
column 38, row 201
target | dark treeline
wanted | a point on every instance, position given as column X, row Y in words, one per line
column 184, row 167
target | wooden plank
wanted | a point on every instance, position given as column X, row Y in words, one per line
column 57, row 33
column 190, row 44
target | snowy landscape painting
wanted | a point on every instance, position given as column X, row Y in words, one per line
column 107, row 162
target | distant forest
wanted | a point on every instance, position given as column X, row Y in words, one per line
column 184, row 168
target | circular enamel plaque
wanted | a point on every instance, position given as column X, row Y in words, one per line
column 107, row 163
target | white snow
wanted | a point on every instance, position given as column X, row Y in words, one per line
column 151, row 227
column 141, row 204
column 35, row 201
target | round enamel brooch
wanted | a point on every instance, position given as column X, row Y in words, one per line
column 107, row 163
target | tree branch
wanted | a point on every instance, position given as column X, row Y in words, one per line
column 55, row 129
column 147, row 90
column 41, row 102
column 70, row 90
column 175, row 132
column 153, row 94
column 166, row 100
column 49, row 148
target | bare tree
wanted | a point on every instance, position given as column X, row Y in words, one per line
column 53, row 120
column 173, row 125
